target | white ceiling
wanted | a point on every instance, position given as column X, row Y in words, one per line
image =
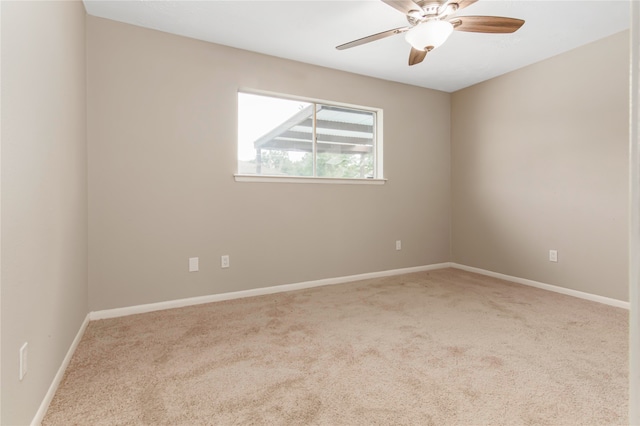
column 309, row 30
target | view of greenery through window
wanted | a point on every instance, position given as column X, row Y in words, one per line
column 327, row 165
column 276, row 138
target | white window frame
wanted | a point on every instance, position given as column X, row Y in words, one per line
column 378, row 179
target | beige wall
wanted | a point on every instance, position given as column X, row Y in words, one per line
column 539, row 162
column 162, row 154
column 44, row 195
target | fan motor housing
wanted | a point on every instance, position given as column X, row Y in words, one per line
column 430, row 6
column 430, row 9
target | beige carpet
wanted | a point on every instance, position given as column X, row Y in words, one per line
column 434, row 348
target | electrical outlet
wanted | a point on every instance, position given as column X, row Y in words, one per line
column 553, row 255
column 194, row 264
column 224, row 261
column 23, row 361
column 399, row 245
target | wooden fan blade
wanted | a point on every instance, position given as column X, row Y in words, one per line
column 373, row 37
column 486, row 24
column 404, row 6
column 416, row 56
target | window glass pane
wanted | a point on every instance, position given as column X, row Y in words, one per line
column 345, row 142
column 275, row 136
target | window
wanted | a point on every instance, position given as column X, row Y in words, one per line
column 285, row 137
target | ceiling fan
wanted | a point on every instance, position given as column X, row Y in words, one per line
column 431, row 22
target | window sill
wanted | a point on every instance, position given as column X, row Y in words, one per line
column 289, row 179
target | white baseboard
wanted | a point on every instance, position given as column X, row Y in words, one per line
column 179, row 303
column 44, row 406
column 569, row 292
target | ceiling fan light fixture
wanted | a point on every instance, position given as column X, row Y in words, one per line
column 429, row 35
